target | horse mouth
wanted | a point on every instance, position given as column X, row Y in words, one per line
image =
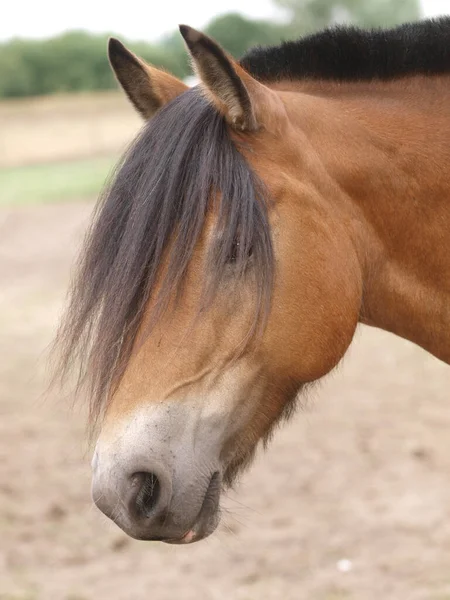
column 208, row 516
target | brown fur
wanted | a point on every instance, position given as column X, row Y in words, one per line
column 384, row 146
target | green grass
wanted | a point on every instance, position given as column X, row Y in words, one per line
column 54, row 182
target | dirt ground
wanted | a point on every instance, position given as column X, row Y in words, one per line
column 351, row 502
column 65, row 127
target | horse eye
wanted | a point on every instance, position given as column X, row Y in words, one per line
column 235, row 251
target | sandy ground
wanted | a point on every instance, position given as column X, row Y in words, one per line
column 352, row 500
column 65, row 127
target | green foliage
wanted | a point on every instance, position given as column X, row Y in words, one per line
column 77, row 60
column 73, row 61
column 237, row 34
column 312, row 15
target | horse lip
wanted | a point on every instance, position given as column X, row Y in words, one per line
column 208, row 516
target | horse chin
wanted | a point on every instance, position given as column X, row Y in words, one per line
column 239, row 463
column 237, row 466
column 208, row 517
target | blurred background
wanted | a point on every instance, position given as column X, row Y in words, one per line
column 352, row 500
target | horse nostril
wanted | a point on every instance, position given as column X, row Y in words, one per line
column 149, row 492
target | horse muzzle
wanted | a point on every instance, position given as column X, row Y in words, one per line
column 156, row 481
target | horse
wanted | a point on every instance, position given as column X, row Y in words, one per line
column 255, row 221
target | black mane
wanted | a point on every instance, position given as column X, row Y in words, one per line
column 352, row 54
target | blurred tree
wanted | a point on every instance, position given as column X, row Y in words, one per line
column 77, row 60
column 70, row 62
column 312, row 15
column 173, row 45
column 236, row 33
column 15, row 76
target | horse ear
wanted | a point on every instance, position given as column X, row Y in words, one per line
column 148, row 88
column 236, row 93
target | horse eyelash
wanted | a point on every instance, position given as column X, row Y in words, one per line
column 234, row 252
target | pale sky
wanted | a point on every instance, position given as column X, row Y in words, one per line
column 134, row 19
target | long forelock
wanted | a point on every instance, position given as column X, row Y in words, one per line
column 156, row 206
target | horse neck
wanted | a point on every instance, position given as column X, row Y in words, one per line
column 386, row 145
